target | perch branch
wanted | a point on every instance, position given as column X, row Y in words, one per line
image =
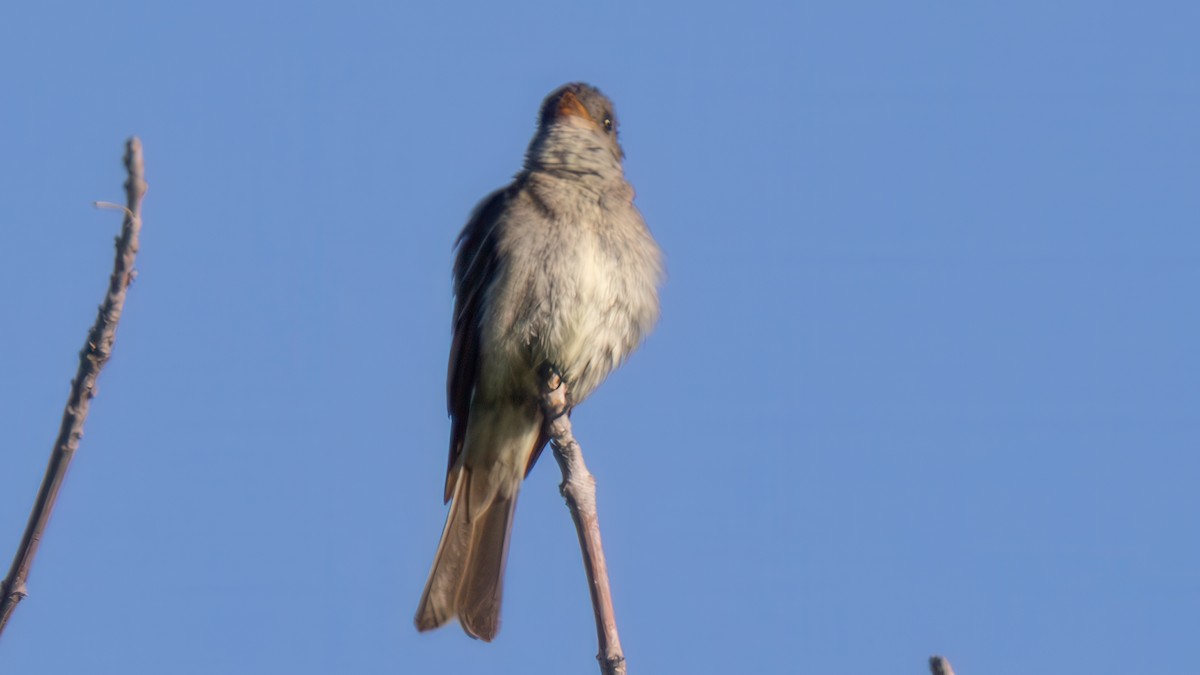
column 579, row 490
column 96, row 352
column 938, row 665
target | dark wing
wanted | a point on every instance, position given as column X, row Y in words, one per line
column 474, row 266
column 538, row 447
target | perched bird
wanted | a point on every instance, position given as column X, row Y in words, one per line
column 557, row 271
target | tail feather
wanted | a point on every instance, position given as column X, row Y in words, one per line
column 437, row 604
column 483, row 579
column 468, row 570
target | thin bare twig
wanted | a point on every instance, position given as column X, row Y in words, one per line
column 96, row 352
column 579, row 489
column 938, row 665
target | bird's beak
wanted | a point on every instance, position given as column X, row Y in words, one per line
column 569, row 105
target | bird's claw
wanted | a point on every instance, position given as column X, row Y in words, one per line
column 551, row 378
column 554, row 387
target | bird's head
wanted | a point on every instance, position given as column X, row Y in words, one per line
column 576, row 120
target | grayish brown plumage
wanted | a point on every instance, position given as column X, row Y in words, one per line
column 556, row 270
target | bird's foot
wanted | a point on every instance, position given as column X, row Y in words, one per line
column 550, row 377
column 554, row 390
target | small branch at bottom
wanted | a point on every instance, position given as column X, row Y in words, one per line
column 938, row 665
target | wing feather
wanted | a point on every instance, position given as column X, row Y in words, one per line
column 474, row 268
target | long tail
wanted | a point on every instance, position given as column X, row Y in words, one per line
column 468, row 571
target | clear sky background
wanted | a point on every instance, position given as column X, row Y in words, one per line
column 927, row 377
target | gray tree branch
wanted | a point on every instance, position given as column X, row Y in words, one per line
column 579, row 490
column 938, row 665
column 96, row 352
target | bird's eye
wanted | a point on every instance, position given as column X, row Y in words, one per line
column 608, row 124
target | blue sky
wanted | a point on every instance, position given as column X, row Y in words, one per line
column 926, row 378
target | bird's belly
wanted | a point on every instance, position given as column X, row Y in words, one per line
column 580, row 301
column 587, row 325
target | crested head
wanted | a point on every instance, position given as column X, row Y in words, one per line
column 577, row 128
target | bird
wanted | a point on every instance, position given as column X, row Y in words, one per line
column 555, row 273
